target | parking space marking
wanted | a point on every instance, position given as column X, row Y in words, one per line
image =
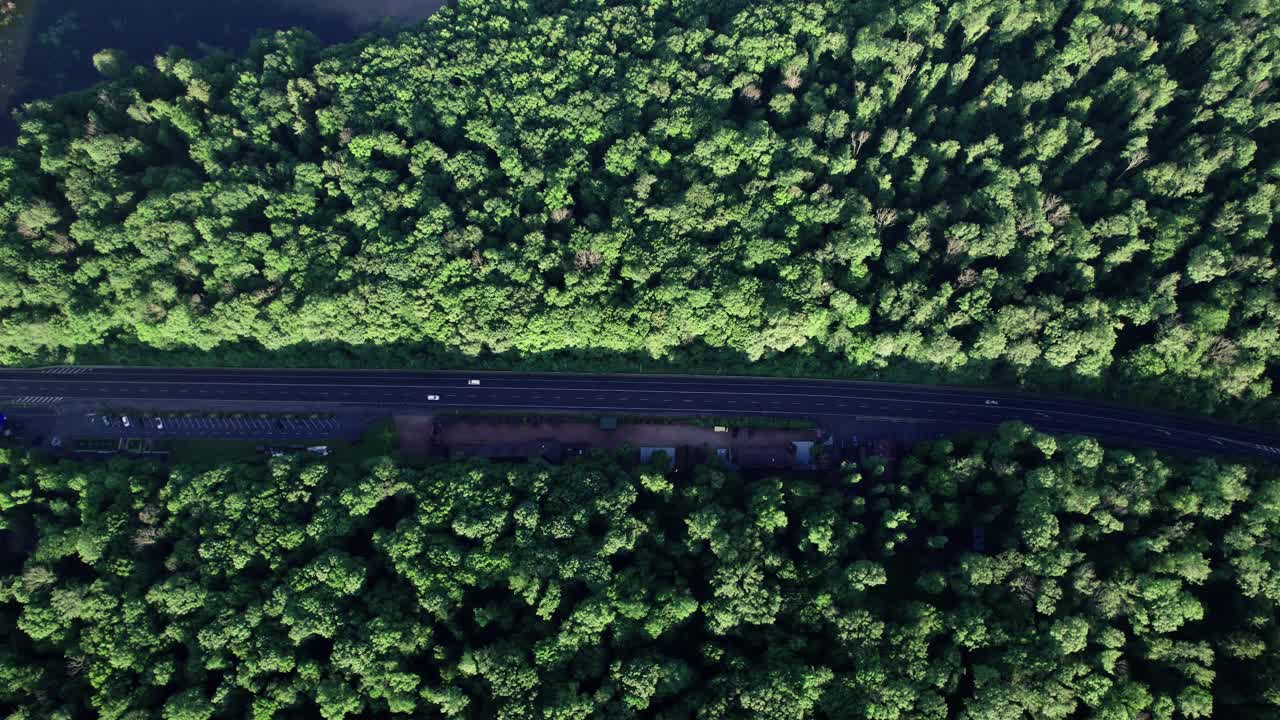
column 66, row 370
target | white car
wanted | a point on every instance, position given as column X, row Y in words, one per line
column 124, row 420
column 473, row 382
column 433, row 397
column 993, row 402
column 159, row 424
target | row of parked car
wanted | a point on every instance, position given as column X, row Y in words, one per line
column 236, row 425
column 125, row 421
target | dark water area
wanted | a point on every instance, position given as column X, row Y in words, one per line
column 65, row 34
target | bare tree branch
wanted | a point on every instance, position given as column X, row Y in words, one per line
column 885, row 217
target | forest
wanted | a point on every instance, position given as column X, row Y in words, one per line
column 1041, row 193
column 1001, row 576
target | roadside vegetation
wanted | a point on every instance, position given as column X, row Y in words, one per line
column 9, row 10
column 1014, row 575
column 1061, row 197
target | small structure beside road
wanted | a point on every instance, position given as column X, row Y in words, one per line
column 647, row 454
column 803, row 451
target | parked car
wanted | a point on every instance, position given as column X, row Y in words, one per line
column 159, row 424
column 124, row 420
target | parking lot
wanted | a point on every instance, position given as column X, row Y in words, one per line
column 181, row 425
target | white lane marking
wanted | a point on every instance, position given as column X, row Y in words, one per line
column 659, row 382
column 777, row 411
column 296, row 386
column 967, row 405
column 663, row 383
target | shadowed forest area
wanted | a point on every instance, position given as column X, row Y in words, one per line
column 1010, row 575
column 46, row 46
column 1002, row 192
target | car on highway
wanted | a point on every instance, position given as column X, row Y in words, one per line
column 433, row 397
column 993, row 402
column 473, row 382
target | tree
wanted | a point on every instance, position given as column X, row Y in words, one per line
column 591, row 179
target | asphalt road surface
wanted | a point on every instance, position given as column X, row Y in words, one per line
column 630, row 394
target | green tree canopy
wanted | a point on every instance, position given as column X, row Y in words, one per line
column 1135, row 585
column 1053, row 194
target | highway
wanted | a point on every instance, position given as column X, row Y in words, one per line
column 403, row 391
